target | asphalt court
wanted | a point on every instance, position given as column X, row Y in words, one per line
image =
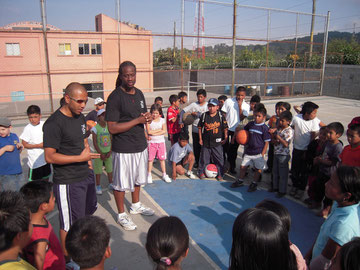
column 207, row 207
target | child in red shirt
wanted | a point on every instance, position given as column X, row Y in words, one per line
column 172, row 119
column 350, row 155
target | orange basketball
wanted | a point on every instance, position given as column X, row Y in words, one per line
column 272, row 122
column 242, row 137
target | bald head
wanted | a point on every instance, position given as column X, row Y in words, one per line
column 74, row 87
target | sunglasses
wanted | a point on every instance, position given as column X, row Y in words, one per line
column 79, row 101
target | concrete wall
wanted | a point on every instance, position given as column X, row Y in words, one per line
column 349, row 83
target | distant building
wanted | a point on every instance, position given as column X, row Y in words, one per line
column 91, row 58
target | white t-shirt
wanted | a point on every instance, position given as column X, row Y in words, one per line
column 195, row 107
column 231, row 108
column 34, row 135
column 157, row 126
column 302, row 131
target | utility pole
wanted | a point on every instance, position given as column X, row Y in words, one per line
column 44, row 24
column 233, row 51
column 174, row 45
column 312, row 27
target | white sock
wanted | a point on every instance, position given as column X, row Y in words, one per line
column 135, row 205
column 123, row 214
column 241, row 180
column 164, row 174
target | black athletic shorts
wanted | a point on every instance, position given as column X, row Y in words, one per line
column 40, row 173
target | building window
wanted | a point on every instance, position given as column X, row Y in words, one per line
column 64, row 48
column 12, row 49
column 95, row 48
column 83, row 48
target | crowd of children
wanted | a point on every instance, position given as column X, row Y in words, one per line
column 319, row 164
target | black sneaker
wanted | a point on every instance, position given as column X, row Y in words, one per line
column 237, row 183
column 252, row 187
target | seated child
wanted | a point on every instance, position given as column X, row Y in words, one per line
column 315, row 149
column 43, row 250
column 343, row 223
column 212, row 128
column 259, row 138
column 11, row 177
column 157, row 147
column 88, row 242
column 281, row 141
column 15, row 231
column 350, row 156
column 167, row 242
column 32, row 139
column 327, row 164
column 159, row 101
column 172, row 119
column 180, row 155
column 283, row 213
column 102, row 142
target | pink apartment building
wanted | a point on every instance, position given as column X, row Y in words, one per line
column 91, row 58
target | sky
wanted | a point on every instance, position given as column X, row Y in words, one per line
column 159, row 17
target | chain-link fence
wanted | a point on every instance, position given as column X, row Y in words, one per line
column 211, row 44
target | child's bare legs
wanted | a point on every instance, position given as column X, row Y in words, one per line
column 243, row 170
column 97, row 178
column 240, row 181
column 190, row 159
column 150, row 165
column 257, row 175
column 163, row 167
column 110, row 177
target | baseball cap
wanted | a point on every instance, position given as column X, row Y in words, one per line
column 99, row 100
column 5, row 122
column 100, row 112
column 213, row 101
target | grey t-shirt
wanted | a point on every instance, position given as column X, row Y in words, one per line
column 332, row 152
column 177, row 153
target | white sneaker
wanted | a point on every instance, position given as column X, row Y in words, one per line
column 142, row 209
column 191, row 175
column 98, row 190
column 126, row 222
column 166, row 178
column 149, row 179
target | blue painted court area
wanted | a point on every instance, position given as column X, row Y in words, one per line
column 209, row 208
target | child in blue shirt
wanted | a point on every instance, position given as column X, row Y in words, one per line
column 259, row 138
column 10, row 166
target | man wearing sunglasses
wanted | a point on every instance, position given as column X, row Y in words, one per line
column 66, row 147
